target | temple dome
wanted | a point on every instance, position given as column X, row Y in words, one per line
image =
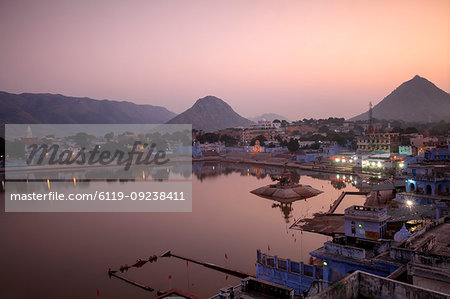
column 402, row 234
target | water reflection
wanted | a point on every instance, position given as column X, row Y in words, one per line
column 286, row 209
column 204, row 170
column 113, row 173
column 225, row 218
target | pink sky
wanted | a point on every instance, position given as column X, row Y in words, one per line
column 296, row 58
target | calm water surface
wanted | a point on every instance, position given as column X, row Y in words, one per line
column 67, row 255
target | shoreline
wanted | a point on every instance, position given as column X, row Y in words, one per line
column 279, row 164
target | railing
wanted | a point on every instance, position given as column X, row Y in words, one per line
column 428, row 178
column 288, row 266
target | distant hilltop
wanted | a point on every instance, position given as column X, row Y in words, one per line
column 58, row 109
column 416, row 100
column 268, row 117
column 210, row 114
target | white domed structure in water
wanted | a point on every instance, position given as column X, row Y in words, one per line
column 402, row 234
column 285, row 190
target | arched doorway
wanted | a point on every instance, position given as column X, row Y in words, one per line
column 440, row 189
column 428, row 189
column 412, row 187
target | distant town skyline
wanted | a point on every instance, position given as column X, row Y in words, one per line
column 297, row 59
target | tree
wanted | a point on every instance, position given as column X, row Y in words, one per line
column 228, row 140
column 410, row 130
column 358, row 128
column 340, row 139
column 208, row 137
column 109, row 136
column 261, row 139
column 293, row 145
column 276, row 121
column 397, row 130
column 440, row 128
column 324, row 129
column 82, row 139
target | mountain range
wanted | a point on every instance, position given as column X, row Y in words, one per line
column 416, row 100
column 210, row 114
column 58, row 109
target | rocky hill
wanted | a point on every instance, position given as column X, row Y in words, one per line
column 210, row 114
column 416, row 100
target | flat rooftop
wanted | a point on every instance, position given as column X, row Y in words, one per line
column 326, row 224
column 365, row 285
column 441, row 233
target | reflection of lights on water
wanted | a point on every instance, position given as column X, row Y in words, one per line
column 409, row 203
column 143, row 175
column 214, row 167
column 48, row 184
column 75, row 182
column 3, row 184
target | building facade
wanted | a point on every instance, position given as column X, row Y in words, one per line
column 383, row 142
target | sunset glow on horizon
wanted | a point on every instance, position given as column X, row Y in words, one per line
column 295, row 58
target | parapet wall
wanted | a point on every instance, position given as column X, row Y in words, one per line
column 348, row 251
column 366, row 285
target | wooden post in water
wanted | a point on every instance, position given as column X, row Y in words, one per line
column 222, row 269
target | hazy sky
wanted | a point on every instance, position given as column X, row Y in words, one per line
column 296, row 58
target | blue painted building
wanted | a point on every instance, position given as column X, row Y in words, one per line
column 296, row 275
column 437, row 154
column 341, row 257
column 196, row 152
column 431, row 179
column 361, row 248
column 365, row 222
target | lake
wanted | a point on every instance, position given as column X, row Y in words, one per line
column 67, row 255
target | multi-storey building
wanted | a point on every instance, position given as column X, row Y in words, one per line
column 384, row 142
